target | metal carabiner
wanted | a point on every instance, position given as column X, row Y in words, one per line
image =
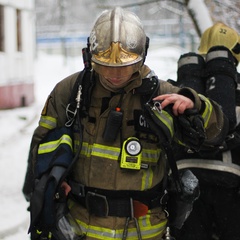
column 168, row 235
column 125, row 231
column 71, row 113
column 157, row 106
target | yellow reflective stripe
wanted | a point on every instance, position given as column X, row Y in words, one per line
column 109, row 234
column 169, row 121
column 53, row 145
column 48, row 122
column 147, row 179
column 99, row 150
column 151, row 155
column 166, row 119
column 144, row 221
column 112, row 153
column 86, row 149
column 76, row 145
column 149, row 230
column 207, row 111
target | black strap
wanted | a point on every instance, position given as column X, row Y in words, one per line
column 102, row 203
column 173, row 166
column 81, row 91
column 82, row 190
column 163, row 139
column 102, row 206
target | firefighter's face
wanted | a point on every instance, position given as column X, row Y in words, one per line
column 118, row 81
column 117, row 76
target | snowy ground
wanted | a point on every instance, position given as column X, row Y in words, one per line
column 17, row 126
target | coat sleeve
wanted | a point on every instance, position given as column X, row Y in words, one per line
column 53, row 114
column 215, row 122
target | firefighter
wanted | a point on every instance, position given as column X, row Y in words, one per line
column 215, row 75
column 116, row 187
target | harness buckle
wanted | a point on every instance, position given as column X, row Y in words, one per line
column 77, row 189
column 97, row 204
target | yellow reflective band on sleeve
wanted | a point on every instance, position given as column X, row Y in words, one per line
column 207, row 111
column 48, row 122
column 53, row 145
column 112, row 153
column 166, row 118
column 147, row 230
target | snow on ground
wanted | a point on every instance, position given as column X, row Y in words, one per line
column 17, row 126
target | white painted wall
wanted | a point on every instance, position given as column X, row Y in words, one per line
column 18, row 67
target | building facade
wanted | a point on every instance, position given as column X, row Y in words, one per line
column 17, row 50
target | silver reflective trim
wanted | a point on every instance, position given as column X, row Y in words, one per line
column 112, row 153
column 151, row 156
column 187, row 60
column 53, row 145
column 48, row 122
column 216, row 54
column 102, row 233
column 104, row 152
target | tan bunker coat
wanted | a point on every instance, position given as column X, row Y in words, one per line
column 98, row 166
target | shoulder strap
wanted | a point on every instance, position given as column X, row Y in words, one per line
column 148, row 91
column 149, row 88
column 79, row 99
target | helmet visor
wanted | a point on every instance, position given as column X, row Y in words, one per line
column 116, row 72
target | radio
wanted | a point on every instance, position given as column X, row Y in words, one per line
column 131, row 154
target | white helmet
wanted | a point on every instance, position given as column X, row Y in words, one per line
column 117, row 40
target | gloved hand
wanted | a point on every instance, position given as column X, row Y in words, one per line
column 35, row 235
column 190, row 129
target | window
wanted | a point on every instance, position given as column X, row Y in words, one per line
column 2, row 45
column 19, row 30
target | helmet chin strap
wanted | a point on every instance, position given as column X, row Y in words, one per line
column 146, row 48
column 236, row 48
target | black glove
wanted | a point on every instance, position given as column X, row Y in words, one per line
column 190, row 129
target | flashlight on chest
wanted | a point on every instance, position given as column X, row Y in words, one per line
column 131, row 154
